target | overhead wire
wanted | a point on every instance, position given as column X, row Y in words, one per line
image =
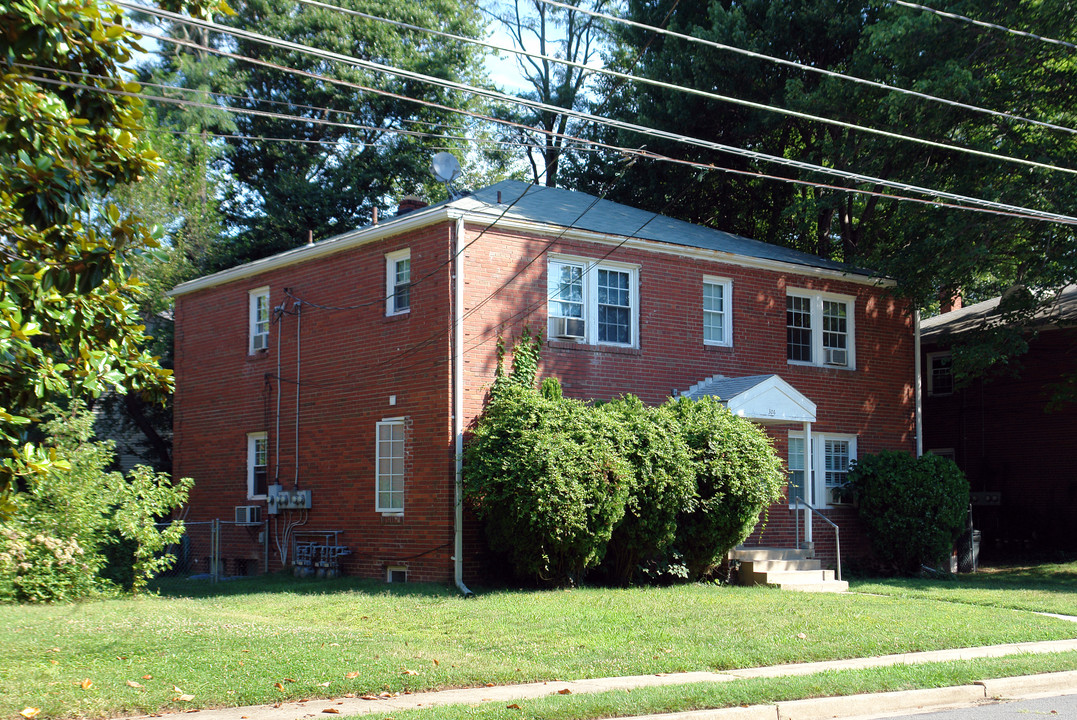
column 810, row 68
column 980, row 23
column 1025, row 213
column 765, row 107
column 589, row 117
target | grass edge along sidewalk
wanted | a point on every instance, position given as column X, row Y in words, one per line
column 494, row 698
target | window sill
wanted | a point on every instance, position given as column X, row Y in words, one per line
column 258, row 355
column 392, row 518
column 571, row 346
column 714, row 347
column 396, row 317
column 839, row 368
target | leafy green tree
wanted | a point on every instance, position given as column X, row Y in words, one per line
column 332, row 176
column 929, row 249
column 68, row 324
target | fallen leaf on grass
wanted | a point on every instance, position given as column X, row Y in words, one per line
column 175, row 688
column 132, row 683
column 564, row 691
column 86, row 684
column 436, row 661
column 279, row 686
column 54, row 662
column 324, row 684
column 514, row 706
column 368, row 697
column 288, row 680
column 352, row 675
column 29, row 712
column 405, row 671
column 332, row 711
column 186, row 697
column 802, row 636
column 489, row 684
column 53, row 650
column 147, row 677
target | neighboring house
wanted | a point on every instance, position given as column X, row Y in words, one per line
column 1014, row 444
column 384, row 339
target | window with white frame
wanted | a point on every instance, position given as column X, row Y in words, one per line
column 940, row 374
column 257, row 465
column 826, row 481
column 389, row 461
column 717, row 311
column 593, row 302
column 398, row 282
column 819, row 329
column 258, row 319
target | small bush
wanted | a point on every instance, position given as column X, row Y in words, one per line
column 738, row 476
column 66, row 523
column 912, row 508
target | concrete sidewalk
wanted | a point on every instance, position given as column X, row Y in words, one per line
column 849, row 706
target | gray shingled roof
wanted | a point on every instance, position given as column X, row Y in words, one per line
column 1061, row 309
column 569, row 208
column 724, row 388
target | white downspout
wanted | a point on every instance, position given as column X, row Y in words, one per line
column 458, row 407
column 918, row 382
column 809, row 482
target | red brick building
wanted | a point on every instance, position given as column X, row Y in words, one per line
column 1014, row 444
column 349, row 368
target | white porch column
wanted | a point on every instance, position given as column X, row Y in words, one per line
column 809, row 481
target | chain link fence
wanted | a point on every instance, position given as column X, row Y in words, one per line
column 199, row 555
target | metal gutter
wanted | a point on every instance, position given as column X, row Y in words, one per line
column 918, row 386
column 458, row 406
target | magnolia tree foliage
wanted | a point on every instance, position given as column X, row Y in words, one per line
column 561, row 485
column 69, row 133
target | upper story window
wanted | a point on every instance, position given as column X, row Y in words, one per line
column 717, row 311
column 819, row 329
column 258, row 320
column 594, row 302
column 257, row 466
column 389, row 466
column 398, row 282
column 940, row 375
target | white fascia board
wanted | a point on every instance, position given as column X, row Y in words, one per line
column 412, row 221
column 513, row 223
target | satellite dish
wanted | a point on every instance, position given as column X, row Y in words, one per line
column 445, row 167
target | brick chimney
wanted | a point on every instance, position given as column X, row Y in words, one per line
column 949, row 300
column 409, row 203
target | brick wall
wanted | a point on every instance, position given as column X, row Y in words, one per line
column 352, row 361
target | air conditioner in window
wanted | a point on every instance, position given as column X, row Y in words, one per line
column 568, row 328
column 839, row 495
column 248, row 514
column 835, row 356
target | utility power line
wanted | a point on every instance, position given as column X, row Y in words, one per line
column 706, row 94
column 811, row 68
column 588, row 117
column 981, row 23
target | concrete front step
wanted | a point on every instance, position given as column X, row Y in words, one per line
column 786, row 568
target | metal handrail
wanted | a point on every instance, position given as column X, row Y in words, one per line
column 837, row 531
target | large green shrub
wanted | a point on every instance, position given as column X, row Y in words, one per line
column 912, row 508
column 738, row 476
column 545, row 477
column 54, row 545
column 664, row 486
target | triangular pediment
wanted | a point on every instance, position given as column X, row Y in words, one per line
column 764, row 398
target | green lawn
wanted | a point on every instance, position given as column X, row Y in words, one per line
column 232, row 644
column 1040, row 588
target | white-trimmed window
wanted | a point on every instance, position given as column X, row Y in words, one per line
column 257, row 465
column 831, row 457
column 717, row 311
column 258, row 319
column 398, row 282
column 940, row 373
column 593, row 302
column 389, row 461
column 819, row 329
